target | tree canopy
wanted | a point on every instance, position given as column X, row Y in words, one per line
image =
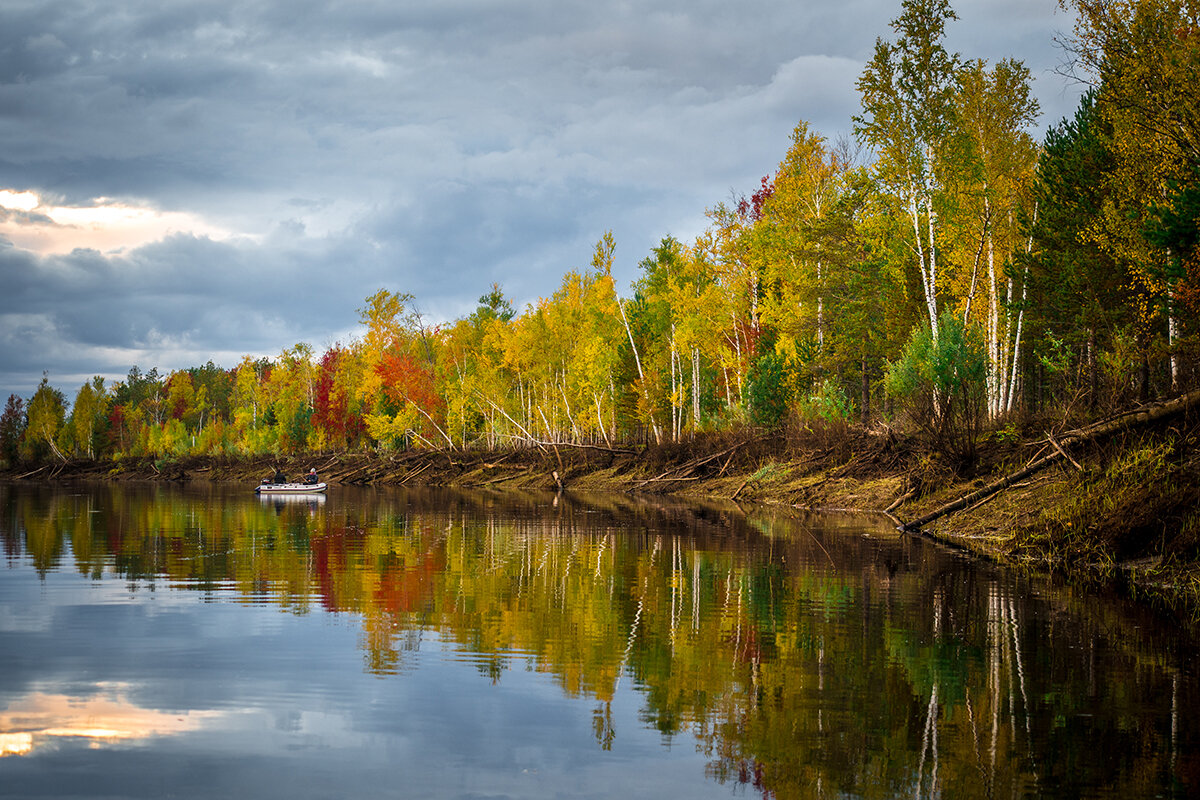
column 1070, row 266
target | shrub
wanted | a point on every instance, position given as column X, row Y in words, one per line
column 767, row 390
column 942, row 386
column 829, row 403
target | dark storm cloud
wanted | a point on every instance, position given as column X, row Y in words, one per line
column 427, row 147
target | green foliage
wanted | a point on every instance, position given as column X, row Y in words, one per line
column 12, row 429
column 1054, row 355
column 942, row 384
column 494, row 306
column 767, row 390
column 299, row 425
column 829, row 403
column 1119, row 363
column 770, row 471
column 1075, row 286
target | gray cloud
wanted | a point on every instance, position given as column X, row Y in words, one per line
column 429, row 147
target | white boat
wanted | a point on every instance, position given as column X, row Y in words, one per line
column 289, row 488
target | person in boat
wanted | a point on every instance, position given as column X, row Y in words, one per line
column 279, row 477
column 311, row 477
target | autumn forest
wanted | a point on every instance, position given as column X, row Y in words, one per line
column 943, row 270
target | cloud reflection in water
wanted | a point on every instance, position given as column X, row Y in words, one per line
column 40, row 719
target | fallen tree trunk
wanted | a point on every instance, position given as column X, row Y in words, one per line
column 1138, row 417
column 1142, row 415
column 582, row 446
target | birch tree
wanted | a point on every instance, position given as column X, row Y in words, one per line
column 45, row 416
column 87, row 414
column 907, row 93
column 798, row 254
column 994, row 108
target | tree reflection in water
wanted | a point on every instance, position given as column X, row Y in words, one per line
column 804, row 655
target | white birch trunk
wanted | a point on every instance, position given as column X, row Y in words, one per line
column 1008, row 354
column 600, row 420
column 567, row 406
column 926, row 263
column 1011, row 394
column 675, row 380
column 1172, row 336
column 983, row 232
column 995, row 369
column 737, row 343
column 820, row 311
column 931, row 299
column 641, row 375
column 1017, row 346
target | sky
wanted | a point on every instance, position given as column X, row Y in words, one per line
column 195, row 180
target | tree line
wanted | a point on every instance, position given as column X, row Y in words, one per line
column 943, row 268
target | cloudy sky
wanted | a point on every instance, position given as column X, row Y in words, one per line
column 190, row 180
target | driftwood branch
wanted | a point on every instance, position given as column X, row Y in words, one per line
column 1138, row 417
column 582, row 446
column 35, row 472
column 408, row 477
column 1062, row 452
column 899, row 501
column 682, row 472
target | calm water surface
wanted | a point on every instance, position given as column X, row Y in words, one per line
column 198, row 642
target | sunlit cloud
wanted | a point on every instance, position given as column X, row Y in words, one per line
column 106, row 225
column 40, row 719
column 15, row 744
column 18, row 201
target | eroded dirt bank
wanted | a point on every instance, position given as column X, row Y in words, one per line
column 1124, row 507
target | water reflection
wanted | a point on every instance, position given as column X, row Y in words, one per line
column 798, row 656
column 39, row 719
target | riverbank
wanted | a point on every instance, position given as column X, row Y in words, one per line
column 1123, row 507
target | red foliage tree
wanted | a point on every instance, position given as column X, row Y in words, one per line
column 751, row 210
column 407, row 379
column 332, row 412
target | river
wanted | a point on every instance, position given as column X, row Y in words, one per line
column 198, row 642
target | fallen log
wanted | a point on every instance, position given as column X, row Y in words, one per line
column 899, row 501
column 35, row 472
column 412, row 475
column 1136, row 418
column 584, row 446
column 1063, row 452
